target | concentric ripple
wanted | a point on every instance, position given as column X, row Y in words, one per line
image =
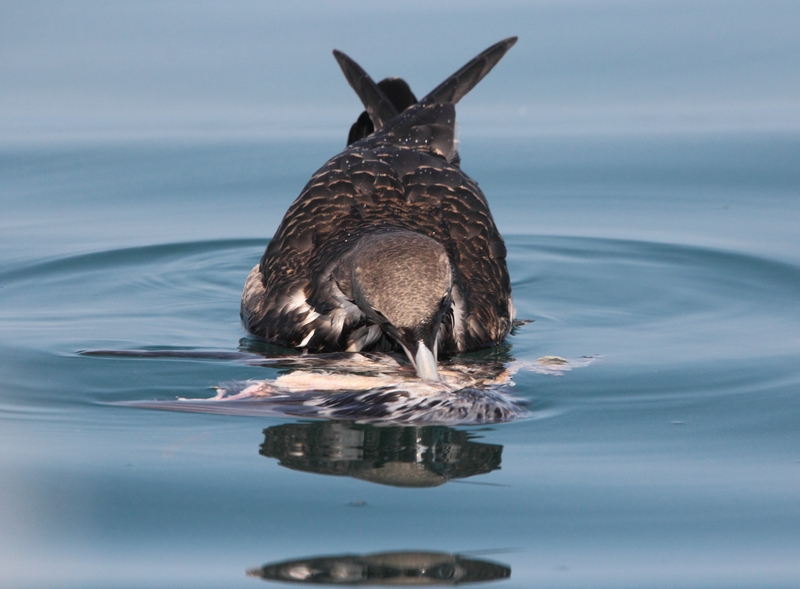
column 664, row 321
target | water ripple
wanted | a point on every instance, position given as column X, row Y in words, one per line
column 668, row 321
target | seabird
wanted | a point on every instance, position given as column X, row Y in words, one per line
column 390, row 245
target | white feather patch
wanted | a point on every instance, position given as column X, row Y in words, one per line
column 312, row 315
column 306, row 339
column 458, row 317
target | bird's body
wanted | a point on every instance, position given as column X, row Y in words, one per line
column 390, row 245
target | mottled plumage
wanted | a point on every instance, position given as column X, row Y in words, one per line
column 316, row 288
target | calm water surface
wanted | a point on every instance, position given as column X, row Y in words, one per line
column 673, row 460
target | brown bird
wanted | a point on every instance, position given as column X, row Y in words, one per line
column 390, row 246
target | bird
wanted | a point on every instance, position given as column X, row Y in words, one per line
column 390, row 246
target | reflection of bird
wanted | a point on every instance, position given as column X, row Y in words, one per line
column 390, row 245
column 401, row 456
column 386, row 568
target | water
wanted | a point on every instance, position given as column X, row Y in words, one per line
column 671, row 460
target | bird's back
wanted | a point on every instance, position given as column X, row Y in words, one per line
column 405, row 176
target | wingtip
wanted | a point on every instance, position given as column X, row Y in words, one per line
column 379, row 107
column 465, row 79
column 345, row 62
column 505, row 45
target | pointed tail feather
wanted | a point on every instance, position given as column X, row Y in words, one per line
column 460, row 83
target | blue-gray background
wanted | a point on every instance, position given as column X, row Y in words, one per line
column 77, row 73
column 144, row 69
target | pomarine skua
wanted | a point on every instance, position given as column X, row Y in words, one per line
column 390, row 245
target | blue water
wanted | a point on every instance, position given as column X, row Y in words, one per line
column 671, row 460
